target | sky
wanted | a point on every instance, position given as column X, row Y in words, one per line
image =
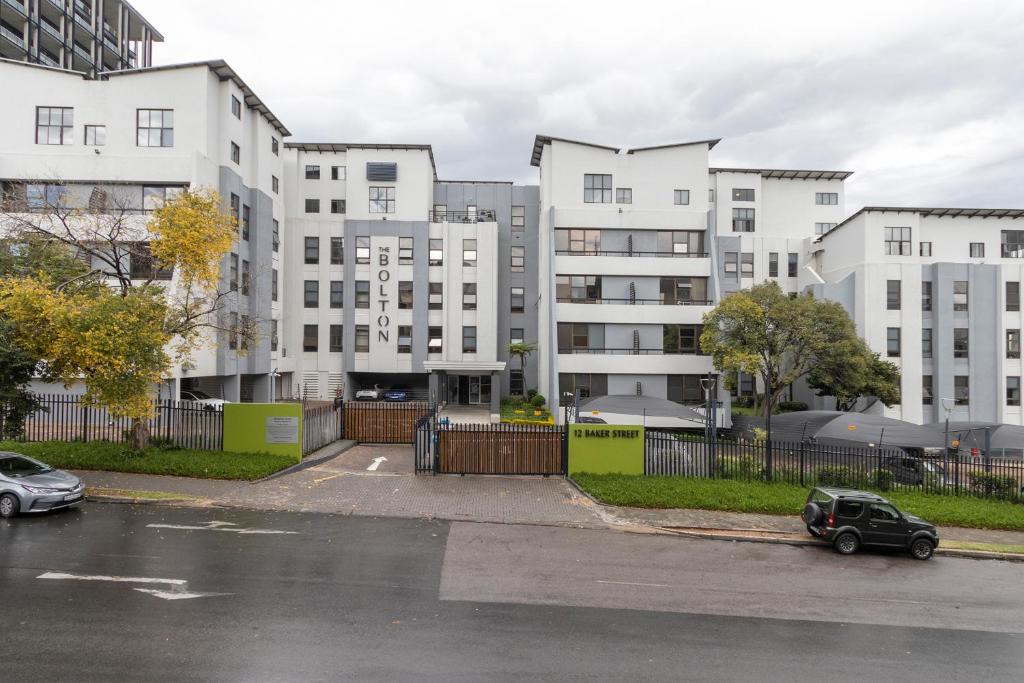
column 924, row 101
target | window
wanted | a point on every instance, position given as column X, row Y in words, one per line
column 743, row 220
column 275, row 243
column 236, row 204
column 337, row 293
column 469, row 339
column 516, row 335
column 960, row 342
column 742, row 195
column 152, row 198
column 245, row 278
column 337, row 206
column 1012, row 244
column 773, row 264
column 244, row 332
column 961, row 390
column 926, row 390
column 578, row 242
column 311, row 294
column 897, row 241
column 893, row 289
column 382, row 170
column 312, row 206
column 246, row 215
column 793, row 263
column 435, row 296
column 469, row 253
column 1013, row 391
column 826, row 198
column 823, row 228
column 518, row 218
column 96, row 136
column 337, row 172
column 680, row 243
column 681, row 338
column 960, row 295
column 893, row 342
column 1013, row 343
column 382, row 200
column 623, row 195
column 516, row 385
column 732, row 265
column 236, row 153
column 405, row 338
column 54, row 125
column 597, row 188
column 362, row 338
column 849, row 509
column 362, row 251
column 518, row 299
column 312, row 254
column 155, row 128
column 440, row 213
column 337, row 251
column 275, row 185
column 362, row 293
column 746, row 264
column 233, row 331
column 312, row 172
column 310, row 337
column 711, row 196
column 518, row 262
column 233, row 273
column 434, row 339
column 926, row 295
column 926, row 342
column 578, row 289
column 683, row 290
column 273, row 335
column 405, row 251
column 580, row 336
column 436, row 252
column 336, row 343
column 1013, row 296
column 236, row 107
column 880, row 512
column 275, row 146
column 977, row 250
column 680, row 197
column 142, row 265
column 469, row 296
column 405, row 295
column 273, row 284
column 926, row 249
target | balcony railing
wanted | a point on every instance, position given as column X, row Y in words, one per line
column 633, row 302
column 643, row 254
column 112, row 46
column 628, row 352
column 84, row 23
column 52, row 30
column 18, row 7
column 10, row 35
column 48, row 60
column 82, row 53
column 478, row 216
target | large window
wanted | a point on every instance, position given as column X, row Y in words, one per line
column 518, row 218
column 684, row 290
column 680, row 197
column 362, row 338
column 681, row 242
column 337, row 251
column 794, row 262
column 893, row 296
column 155, row 128
column 311, row 293
column 312, row 250
column 681, row 338
column 597, row 188
column 405, row 251
column 435, row 254
column 469, row 253
column 585, row 385
column 518, row 299
column 337, row 293
column 434, row 339
column 1012, row 244
column 773, row 264
column 310, row 337
column 1013, row 343
column 580, row 337
column 143, row 266
column 826, row 198
column 742, row 195
column 743, row 220
column 927, row 392
column 518, row 259
column 960, row 342
column 435, row 296
column 926, row 342
column 382, row 200
column 516, row 385
column 1013, row 296
column 54, row 125
column 362, row 293
column 578, row 289
column 1013, row 391
column 962, row 390
column 405, row 296
column 926, row 295
column 892, row 342
column 897, row 241
column 578, row 241
column 469, row 339
column 469, row 296
column 731, row 265
column 685, row 389
column 337, row 339
column 405, row 338
column 960, row 295
column 362, row 251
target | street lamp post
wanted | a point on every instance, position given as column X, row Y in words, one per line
column 947, row 406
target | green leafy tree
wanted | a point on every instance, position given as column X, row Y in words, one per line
column 763, row 332
column 17, row 365
column 521, row 350
column 850, row 370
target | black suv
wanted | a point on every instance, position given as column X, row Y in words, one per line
column 849, row 519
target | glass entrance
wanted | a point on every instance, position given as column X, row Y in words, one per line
column 453, row 389
column 474, row 390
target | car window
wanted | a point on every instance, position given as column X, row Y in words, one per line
column 15, row 466
column 884, row 513
column 850, row 509
column 821, row 498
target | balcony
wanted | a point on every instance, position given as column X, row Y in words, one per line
column 48, row 59
column 626, row 352
column 12, row 39
column 478, row 216
column 17, row 6
column 633, row 254
column 84, row 24
column 51, row 30
column 634, row 302
column 82, row 54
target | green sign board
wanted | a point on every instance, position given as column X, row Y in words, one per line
column 606, row 449
column 263, row 428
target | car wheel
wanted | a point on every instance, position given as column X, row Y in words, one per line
column 811, row 514
column 9, row 505
column 847, row 544
column 922, row 549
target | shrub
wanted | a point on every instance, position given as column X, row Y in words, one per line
column 740, row 467
column 530, row 393
column 881, row 479
column 162, row 442
column 792, row 406
column 994, row 485
column 743, row 401
column 839, row 476
column 760, row 434
column 537, row 401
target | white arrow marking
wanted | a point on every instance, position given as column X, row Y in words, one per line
column 376, row 463
column 167, row 595
column 118, row 579
column 216, row 526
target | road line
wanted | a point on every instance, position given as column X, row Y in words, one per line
column 116, row 579
column 630, row 583
column 376, row 463
column 216, row 526
column 167, row 595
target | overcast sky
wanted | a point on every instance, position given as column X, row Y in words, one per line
column 923, row 100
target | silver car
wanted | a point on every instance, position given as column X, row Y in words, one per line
column 27, row 485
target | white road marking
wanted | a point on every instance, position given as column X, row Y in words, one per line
column 629, row 583
column 167, row 595
column 376, row 463
column 117, row 579
column 218, row 526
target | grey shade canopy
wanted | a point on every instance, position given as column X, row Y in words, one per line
column 1006, row 439
column 852, row 429
column 654, row 412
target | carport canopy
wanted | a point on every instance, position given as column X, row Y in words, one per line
column 852, row 429
column 642, row 410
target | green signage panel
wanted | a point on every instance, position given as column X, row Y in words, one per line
column 263, row 428
column 606, row 449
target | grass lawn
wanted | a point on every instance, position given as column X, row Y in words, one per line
column 783, row 499
column 113, row 457
column 137, row 495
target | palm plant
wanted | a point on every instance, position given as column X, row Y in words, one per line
column 521, row 350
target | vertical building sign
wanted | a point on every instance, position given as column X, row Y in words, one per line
column 383, row 278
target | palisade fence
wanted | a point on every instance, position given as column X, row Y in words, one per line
column 65, row 417
column 489, row 448
column 322, row 424
column 810, row 464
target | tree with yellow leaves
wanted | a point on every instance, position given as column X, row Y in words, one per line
column 115, row 328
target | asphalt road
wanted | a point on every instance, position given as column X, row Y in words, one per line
column 253, row 596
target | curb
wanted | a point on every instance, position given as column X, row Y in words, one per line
column 305, row 464
column 161, row 502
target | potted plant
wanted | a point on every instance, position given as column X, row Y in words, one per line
column 538, row 402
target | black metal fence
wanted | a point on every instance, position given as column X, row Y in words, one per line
column 66, row 417
column 321, row 424
column 809, row 464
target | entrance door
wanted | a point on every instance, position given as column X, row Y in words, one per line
column 453, row 389
column 474, row 390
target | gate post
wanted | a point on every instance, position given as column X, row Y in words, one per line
column 565, row 448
